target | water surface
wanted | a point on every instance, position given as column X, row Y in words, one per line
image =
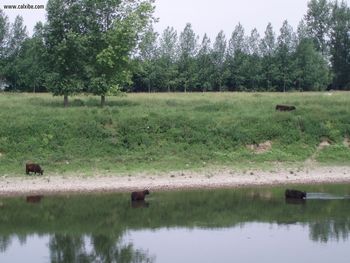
column 236, row 225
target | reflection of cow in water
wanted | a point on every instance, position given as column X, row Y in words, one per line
column 295, row 194
column 294, row 201
column 33, row 168
column 34, row 198
column 139, row 196
column 139, row 204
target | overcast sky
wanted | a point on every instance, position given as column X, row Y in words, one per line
column 206, row 16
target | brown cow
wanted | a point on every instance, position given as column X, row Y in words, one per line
column 34, row 199
column 285, row 108
column 139, row 196
column 33, row 168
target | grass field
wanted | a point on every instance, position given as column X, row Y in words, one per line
column 161, row 132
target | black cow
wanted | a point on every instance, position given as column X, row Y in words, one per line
column 34, row 168
column 295, row 194
column 285, row 108
column 139, row 196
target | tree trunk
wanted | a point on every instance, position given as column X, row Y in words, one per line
column 103, row 100
column 65, row 101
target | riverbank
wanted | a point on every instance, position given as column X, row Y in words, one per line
column 172, row 131
column 215, row 178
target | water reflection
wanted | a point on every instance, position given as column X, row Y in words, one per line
column 293, row 201
column 67, row 248
column 249, row 242
column 325, row 231
column 96, row 228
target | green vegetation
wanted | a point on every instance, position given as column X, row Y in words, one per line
column 162, row 132
column 102, row 47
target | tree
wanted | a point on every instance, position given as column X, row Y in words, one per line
column 268, row 43
column 236, row 59
column 205, row 66
column 147, row 59
column 318, row 21
column 168, row 57
column 17, row 36
column 340, row 45
column 254, row 68
column 67, row 47
column 90, row 43
column 302, row 32
column 4, row 33
column 311, row 68
column 113, row 60
column 285, row 49
column 30, row 62
column 254, row 42
column 268, row 51
column 218, row 58
column 237, row 42
column 187, row 52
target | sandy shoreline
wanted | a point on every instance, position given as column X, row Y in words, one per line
column 220, row 178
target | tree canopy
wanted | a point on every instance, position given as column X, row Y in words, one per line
column 102, row 47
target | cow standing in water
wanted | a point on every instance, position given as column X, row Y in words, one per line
column 295, row 194
column 34, row 168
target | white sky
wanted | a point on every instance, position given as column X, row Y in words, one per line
column 206, row 16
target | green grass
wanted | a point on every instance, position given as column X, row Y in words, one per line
column 161, row 132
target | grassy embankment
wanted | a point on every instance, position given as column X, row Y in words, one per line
column 160, row 132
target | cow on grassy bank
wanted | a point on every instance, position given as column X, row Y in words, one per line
column 285, row 108
column 139, row 196
column 34, row 168
column 34, row 198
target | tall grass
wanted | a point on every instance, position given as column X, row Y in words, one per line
column 169, row 131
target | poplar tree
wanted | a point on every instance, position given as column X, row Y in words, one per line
column 205, row 65
column 285, row 48
column 218, row 58
column 268, row 51
column 187, row 52
column 17, row 36
column 168, row 53
column 340, row 45
column 236, row 60
column 318, row 21
column 4, row 32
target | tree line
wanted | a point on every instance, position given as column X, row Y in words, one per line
column 102, row 47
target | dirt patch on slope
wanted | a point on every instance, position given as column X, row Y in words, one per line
column 260, row 148
column 323, row 144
